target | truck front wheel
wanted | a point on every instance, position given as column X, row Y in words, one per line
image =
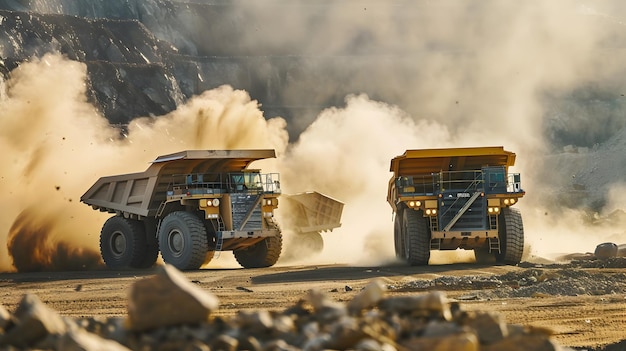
column 123, row 243
column 398, row 239
column 183, row 240
column 511, row 232
column 265, row 253
column 416, row 236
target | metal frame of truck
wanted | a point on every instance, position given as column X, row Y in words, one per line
column 189, row 205
column 446, row 199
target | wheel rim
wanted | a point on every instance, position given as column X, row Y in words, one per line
column 118, row 244
column 176, row 242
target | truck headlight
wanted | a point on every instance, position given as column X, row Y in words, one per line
column 428, row 211
column 215, row 202
column 506, row 201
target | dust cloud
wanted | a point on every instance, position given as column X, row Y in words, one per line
column 55, row 146
column 33, row 246
column 468, row 74
column 479, row 72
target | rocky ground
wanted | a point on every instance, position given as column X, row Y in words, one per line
column 548, row 306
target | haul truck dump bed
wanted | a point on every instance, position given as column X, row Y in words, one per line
column 446, row 199
column 309, row 215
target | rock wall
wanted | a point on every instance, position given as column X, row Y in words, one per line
column 146, row 57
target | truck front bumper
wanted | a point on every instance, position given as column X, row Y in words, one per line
column 247, row 234
column 476, row 234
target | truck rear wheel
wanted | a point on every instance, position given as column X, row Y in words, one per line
column 511, row 232
column 123, row 243
column 398, row 239
column 183, row 240
column 265, row 253
column 312, row 242
column 416, row 236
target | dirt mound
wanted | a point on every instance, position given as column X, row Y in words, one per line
column 536, row 281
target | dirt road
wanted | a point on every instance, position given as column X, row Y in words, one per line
column 585, row 304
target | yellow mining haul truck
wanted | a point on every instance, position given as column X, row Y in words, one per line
column 446, row 199
column 188, row 205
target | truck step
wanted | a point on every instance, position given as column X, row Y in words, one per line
column 435, row 244
column 219, row 241
column 494, row 245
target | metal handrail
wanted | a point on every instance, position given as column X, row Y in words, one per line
column 474, row 184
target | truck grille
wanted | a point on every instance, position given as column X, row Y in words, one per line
column 242, row 205
column 474, row 218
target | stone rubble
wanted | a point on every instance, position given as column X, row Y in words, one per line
column 167, row 312
column 538, row 280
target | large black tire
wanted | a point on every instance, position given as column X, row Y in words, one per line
column 416, row 234
column 511, row 232
column 123, row 243
column 398, row 239
column 265, row 253
column 183, row 240
column 311, row 243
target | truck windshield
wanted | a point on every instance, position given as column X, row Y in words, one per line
column 254, row 182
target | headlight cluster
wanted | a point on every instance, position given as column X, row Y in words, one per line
column 209, row 202
column 270, row 202
column 431, row 212
column 493, row 209
column 509, row 201
column 415, row 203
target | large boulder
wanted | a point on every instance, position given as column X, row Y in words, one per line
column 168, row 299
column 605, row 251
column 33, row 321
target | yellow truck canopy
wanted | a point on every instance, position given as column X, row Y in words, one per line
column 209, row 161
column 142, row 193
column 426, row 161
